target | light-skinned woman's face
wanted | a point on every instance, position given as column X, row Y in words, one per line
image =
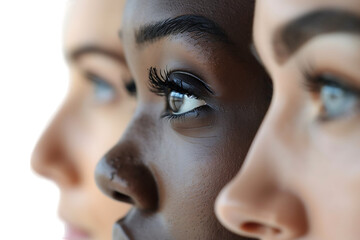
column 201, row 98
column 98, row 106
column 302, row 176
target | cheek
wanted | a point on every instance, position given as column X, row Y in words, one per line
column 329, row 190
column 197, row 168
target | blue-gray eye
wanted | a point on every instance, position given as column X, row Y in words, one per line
column 336, row 99
column 103, row 91
column 180, row 103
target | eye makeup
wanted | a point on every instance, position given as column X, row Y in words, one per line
column 185, row 94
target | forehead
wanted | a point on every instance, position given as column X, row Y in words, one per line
column 92, row 22
column 232, row 15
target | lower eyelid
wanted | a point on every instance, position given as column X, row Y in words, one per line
column 202, row 121
column 191, row 116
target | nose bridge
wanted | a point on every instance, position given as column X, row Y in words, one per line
column 123, row 173
column 51, row 157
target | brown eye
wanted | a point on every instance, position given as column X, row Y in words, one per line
column 176, row 100
column 180, row 103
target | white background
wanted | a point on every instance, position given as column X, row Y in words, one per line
column 33, row 82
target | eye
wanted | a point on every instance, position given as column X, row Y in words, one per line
column 180, row 103
column 184, row 92
column 337, row 98
column 103, row 91
column 337, row 101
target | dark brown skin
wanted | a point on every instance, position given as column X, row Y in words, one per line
column 173, row 169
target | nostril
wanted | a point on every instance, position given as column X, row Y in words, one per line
column 257, row 228
column 122, row 197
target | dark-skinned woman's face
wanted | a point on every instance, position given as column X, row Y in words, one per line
column 201, row 98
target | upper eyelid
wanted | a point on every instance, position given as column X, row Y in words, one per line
column 97, row 78
column 311, row 72
column 314, row 83
column 161, row 84
column 208, row 88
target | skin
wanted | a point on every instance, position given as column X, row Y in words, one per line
column 301, row 178
column 171, row 170
column 90, row 120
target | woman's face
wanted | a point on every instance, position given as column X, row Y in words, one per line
column 98, row 106
column 302, row 176
column 201, row 98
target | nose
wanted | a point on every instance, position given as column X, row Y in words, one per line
column 51, row 157
column 272, row 215
column 123, row 175
column 258, row 202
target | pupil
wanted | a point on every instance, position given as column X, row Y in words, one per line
column 176, row 101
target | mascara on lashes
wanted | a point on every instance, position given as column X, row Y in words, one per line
column 164, row 82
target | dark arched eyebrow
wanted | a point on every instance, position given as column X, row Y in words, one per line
column 199, row 27
column 291, row 37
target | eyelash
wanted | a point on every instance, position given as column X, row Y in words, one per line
column 314, row 82
column 160, row 84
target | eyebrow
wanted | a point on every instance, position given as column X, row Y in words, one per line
column 290, row 38
column 199, row 27
column 93, row 49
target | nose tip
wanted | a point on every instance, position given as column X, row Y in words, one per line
column 51, row 159
column 279, row 218
column 228, row 211
column 126, row 179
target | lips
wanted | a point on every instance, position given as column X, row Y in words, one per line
column 73, row 233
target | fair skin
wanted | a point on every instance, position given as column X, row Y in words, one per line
column 301, row 178
column 98, row 106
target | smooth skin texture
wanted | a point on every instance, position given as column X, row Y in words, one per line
column 301, row 178
column 184, row 144
column 98, row 106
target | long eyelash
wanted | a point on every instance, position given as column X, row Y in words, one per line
column 159, row 84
